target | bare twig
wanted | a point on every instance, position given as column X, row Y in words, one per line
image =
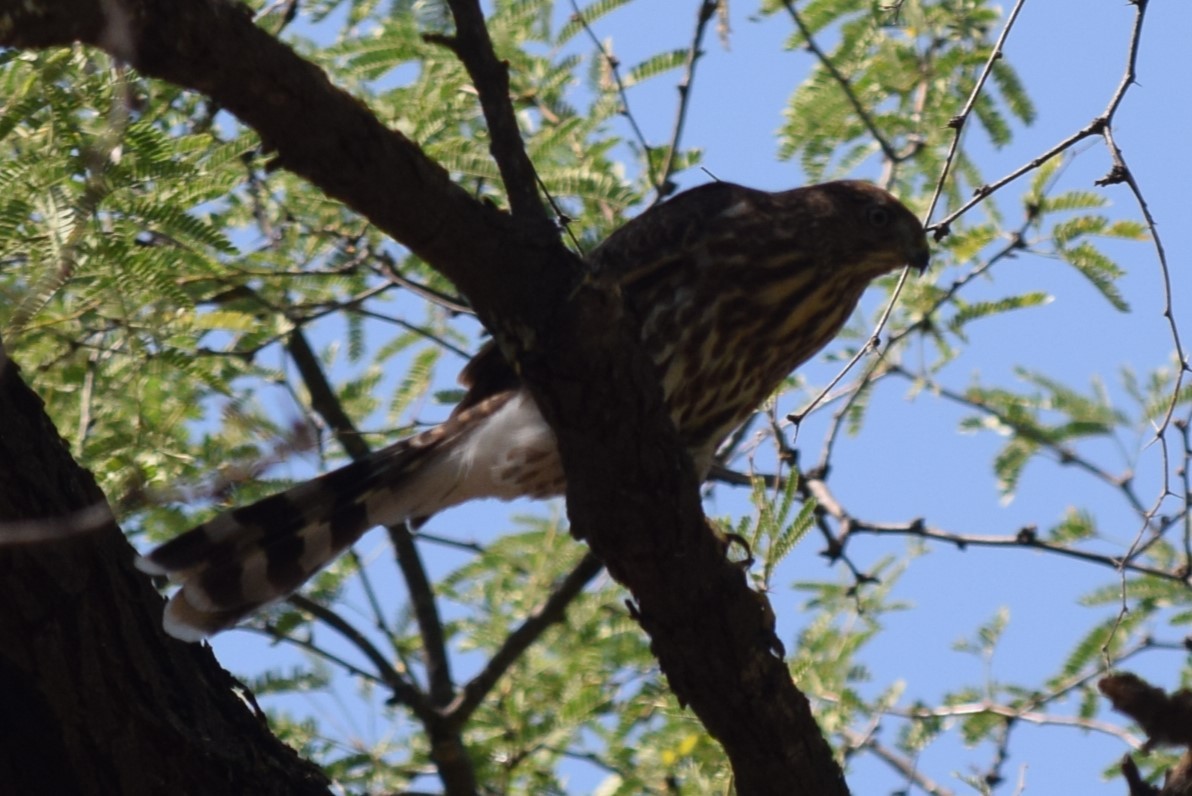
column 421, row 331
column 661, row 180
column 1030, row 716
column 892, row 156
column 958, row 121
column 550, row 612
column 905, row 767
column 1025, row 538
column 614, row 70
column 664, row 185
column 403, row 690
column 388, row 269
column 942, row 226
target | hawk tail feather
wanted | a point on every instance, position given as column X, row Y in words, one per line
column 248, row 557
column 251, row 556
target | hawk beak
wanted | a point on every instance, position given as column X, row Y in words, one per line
column 920, row 259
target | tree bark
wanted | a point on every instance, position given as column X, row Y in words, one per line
column 632, row 493
column 94, row 697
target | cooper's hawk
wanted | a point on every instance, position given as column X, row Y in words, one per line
column 732, row 288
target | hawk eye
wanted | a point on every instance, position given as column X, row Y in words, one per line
column 879, row 216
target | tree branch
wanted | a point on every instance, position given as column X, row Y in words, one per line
column 632, row 491
column 313, row 128
column 97, row 699
column 490, row 76
column 665, row 185
column 447, row 747
column 526, row 634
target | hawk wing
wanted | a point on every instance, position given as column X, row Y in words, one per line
column 486, row 374
column 643, row 247
column 660, row 236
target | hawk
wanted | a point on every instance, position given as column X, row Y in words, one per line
column 732, row 289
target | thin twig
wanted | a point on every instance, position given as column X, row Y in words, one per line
column 269, row 630
column 1023, row 539
column 421, row 331
column 550, row 612
column 1031, row 716
column 327, row 404
column 845, row 86
column 614, row 68
column 903, row 765
column 958, row 121
column 403, row 690
column 388, row 269
column 1120, row 172
column 1093, row 128
column 664, row 185
column 892, row 156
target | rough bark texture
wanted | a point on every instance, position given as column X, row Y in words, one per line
column 94, row 698
column 631, row 493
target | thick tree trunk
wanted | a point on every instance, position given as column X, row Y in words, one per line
column 94, row 698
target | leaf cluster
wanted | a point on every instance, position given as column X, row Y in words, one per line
column 157, row 272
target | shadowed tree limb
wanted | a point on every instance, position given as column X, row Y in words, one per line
column 447, row 744
column 97, row 699
column 632, row 491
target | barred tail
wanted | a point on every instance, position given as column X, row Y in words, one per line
column 251, row 556
column 245, row 558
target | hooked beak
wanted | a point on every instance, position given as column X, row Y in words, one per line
column 920, row 258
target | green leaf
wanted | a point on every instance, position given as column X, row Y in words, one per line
column 1076, row 526
column 587, row 16
column 987, row 637
column 985, row 309
column 654, row 66
column 416, row 381
column 1099, row 270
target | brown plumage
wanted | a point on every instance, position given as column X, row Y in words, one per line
column 733, row 288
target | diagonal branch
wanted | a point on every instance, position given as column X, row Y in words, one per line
column 426, row 612
column 958, row 121
column 661, row 181
column 632, row 491
column 526, row 634
column 614, row 69
column 448, row 750
column 887, row 148
column 491, row 79
column 706, row 11
column 404, row 691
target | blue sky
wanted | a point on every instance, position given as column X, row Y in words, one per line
column 910, row 460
